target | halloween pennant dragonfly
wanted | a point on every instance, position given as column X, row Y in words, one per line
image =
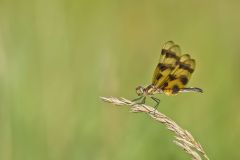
column 171, row 74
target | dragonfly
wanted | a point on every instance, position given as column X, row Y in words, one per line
column 171, row 75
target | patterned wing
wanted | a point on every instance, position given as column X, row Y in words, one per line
column 180, row 76
column 168, row 61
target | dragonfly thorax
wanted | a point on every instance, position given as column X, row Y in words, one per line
column 149, row 90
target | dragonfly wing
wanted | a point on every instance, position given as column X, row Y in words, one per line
column 179, row 77
column 168, row 61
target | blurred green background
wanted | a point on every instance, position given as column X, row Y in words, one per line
column 58, row 56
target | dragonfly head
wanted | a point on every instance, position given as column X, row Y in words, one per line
column 140, row 90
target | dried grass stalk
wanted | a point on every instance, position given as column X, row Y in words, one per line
column 183, row 138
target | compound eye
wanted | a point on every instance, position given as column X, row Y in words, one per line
column 139, row 90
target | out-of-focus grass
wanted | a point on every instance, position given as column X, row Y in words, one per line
column 57, row 57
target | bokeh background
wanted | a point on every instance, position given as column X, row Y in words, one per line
column 58, row 56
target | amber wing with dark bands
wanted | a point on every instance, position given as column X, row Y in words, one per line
column 168, row 61
column 180, row 76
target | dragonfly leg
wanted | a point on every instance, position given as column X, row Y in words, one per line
column 137, row 99
column 142, row 98
column 143, row 101
column 157, row 102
